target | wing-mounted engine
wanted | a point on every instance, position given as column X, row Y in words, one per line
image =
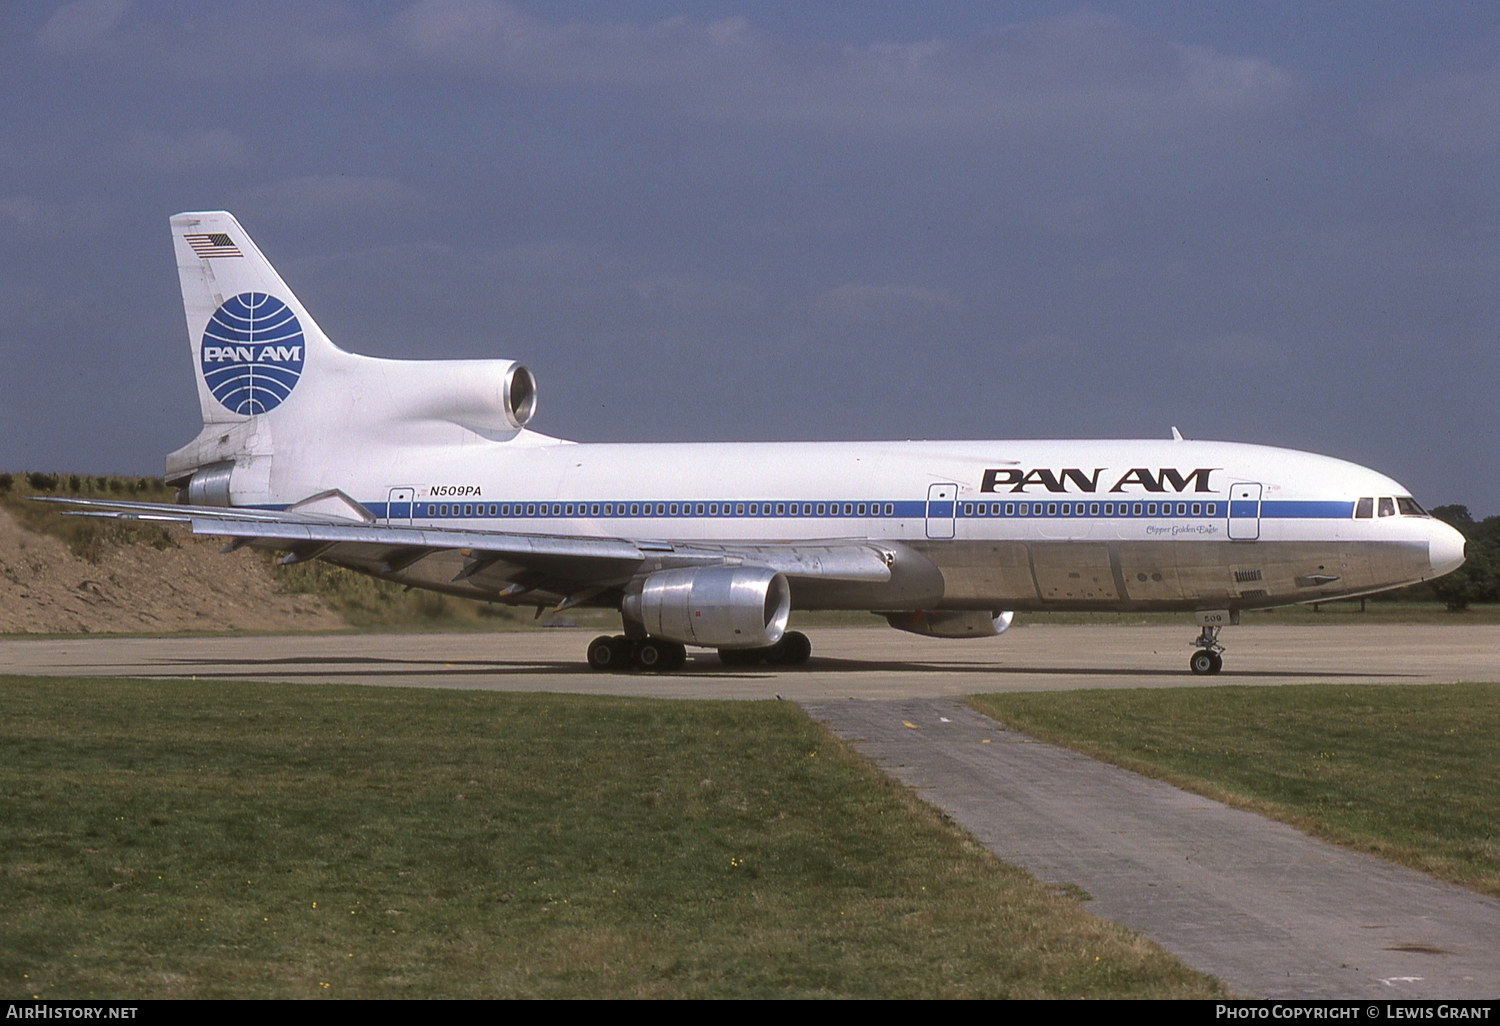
column 950, row 623
column 716, row 606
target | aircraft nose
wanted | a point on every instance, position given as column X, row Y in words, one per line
column 1445, row 549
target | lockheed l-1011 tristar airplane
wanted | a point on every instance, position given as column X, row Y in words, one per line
column 425, row 473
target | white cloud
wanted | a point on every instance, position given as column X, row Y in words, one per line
column 1458, row 114
column 857, row 302
column 197, row 151
column 30, row 215
column 81, row 26
column 321, row 196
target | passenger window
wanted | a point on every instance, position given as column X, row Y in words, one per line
column 1364, row 509
column 1182, row 509
column 635, row 509
column 1150, row 509
column 1210, row 508
column 1052, row 509
column 1387, row 507
column 1066, row 508
column 699, row 509
column 1010, row 509
column 821, row 509
column 1197, row 509
column 739, row 509
column 861, row 509
column 968, row 509
column 890, row 509
column 1093, row 509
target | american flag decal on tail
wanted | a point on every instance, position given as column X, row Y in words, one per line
column 213, row 244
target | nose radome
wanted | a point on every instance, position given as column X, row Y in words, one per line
column 1445, row 549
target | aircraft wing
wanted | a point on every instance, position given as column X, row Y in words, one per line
column 506, row 564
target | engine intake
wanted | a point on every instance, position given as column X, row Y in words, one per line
column 950, row 623
column 716, row 606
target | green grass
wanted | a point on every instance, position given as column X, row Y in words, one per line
column 1407, row 772
column 86, row 537
column 169, row 839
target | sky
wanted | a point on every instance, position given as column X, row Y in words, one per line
column 1273, row 222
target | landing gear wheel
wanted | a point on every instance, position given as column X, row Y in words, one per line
column 741, row 656
column 648, row 655
column 602, row 654
column 1206, row 662
column 792, row 650
column 674, row 656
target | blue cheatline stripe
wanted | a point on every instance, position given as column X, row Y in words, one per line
column 907, row 509
column 1306, row 510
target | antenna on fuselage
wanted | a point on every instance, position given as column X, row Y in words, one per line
column 1176, row 435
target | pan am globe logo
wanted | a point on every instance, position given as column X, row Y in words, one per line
column 252, row 353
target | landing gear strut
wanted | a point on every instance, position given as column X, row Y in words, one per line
column 1208, row 658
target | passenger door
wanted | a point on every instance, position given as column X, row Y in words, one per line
column 1244, row 512
column 398, row 506
column 941, row 509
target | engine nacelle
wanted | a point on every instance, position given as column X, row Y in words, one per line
column 950, row 623
column 484, row 395
column 715, row 606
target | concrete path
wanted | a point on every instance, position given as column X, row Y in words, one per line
column 1266, row 909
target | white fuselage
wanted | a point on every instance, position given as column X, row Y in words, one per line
column 1009, row 524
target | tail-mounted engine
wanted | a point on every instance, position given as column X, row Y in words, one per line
column 716, row 606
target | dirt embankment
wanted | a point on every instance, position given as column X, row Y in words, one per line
column 44, row 588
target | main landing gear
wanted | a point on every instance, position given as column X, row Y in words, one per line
column 1208, row 658
column 650, row 655
column 617, row 654
column 792, row 650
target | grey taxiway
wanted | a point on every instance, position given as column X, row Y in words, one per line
column 1268, row 910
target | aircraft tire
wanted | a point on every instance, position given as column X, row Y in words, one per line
column 741, row 656
column 792, row 650
column 1202, row 662
column 602, row 654
column 1218, row 663
column 674, row 656
column 655, row 655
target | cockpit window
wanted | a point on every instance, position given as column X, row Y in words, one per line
column 1387, row 507
column 1409, row 507
column 1364, row 509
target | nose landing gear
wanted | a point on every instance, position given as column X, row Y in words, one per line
column 1209, row 658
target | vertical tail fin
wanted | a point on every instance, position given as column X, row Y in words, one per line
column 251, row 338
